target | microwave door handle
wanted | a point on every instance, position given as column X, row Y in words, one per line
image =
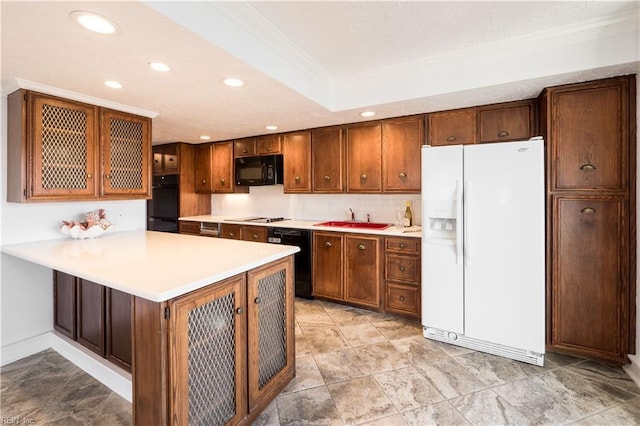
column 264, row 173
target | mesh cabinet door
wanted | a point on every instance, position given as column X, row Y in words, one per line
column 270, row 330
column 207, row 352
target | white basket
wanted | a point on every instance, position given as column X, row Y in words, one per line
column 78, row 233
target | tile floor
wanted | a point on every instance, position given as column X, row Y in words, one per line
column 355, row 367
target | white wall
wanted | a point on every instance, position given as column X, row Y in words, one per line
column 26, row 295
column 271, row 201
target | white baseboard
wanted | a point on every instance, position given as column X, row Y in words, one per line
column 99, row 368
column 633, row 369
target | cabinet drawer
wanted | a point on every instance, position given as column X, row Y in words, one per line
column 506, row 124
column 256, row 234
column 403, row 245
column 451, row 127
column 402, row 268
column 244, row 147
column 403, row 299
column 230, row 231
column 268, row 145
column 188, row 227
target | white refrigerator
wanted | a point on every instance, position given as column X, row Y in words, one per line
column 483, row 247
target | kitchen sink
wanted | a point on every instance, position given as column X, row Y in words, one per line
column 349, row 224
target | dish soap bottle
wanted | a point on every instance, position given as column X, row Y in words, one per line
column 408, row 216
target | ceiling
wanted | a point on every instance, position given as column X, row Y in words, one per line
column 311, row 64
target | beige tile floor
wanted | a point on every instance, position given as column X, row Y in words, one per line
column 355, row 367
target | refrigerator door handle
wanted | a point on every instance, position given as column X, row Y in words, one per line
column 459, row 221
column 465, row 220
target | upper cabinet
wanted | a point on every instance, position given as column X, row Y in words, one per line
column 402, row 140
column 363, row 157
column 268, row 144
column 452, row 127
column 214, row 168
column 244, row 147
column 62, row 150
column 503, row 122
column 296, row 148
column 204, row 168
column 166, row 159
column 327, row 159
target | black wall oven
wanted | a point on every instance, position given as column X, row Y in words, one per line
column 162, row 208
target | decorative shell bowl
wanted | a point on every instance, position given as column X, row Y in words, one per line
column 78, row 233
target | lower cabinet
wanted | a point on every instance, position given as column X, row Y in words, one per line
column 233, row 231
column 231, row 348
column 347, row 268
column 95, row 316
column 402, row 266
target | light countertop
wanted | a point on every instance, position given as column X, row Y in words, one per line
column 397, row 231
column 156, row 266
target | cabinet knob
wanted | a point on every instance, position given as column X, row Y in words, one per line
column 222, row 181
column 451, row 139
column 269, row 148
column 328, row 244
column 232, row 234
column 89, row 175
column 204, row 181
column 503, row 134
column 363, row 176
column 402, row 298
column 402, row 175
column 239, row 310
column 156, row 161
column 244, row 151
column 326, row 177
column 588, row 210
column 402, row 268
column 297, row 178
column 254, row 236
column 587, row 167
column 257, row 300
column 361, row 247
column 401, row 245
column 108, row 176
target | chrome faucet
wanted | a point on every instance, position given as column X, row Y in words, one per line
column 353, row 214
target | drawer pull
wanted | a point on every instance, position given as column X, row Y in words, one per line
column 239, row 310
column 402, row 298
column 204, row 181
column 451, row 139
column 244, row 151
column 231, row 234
column 588, row 210
column 503, row 134
column 298, row 179
column 363, row 176
column 327, row 177
column 402, row 268
column 587, row 167
column 402, row 245
column 328, row 244
column 222, row 181
column 402, row 175
column 361, row 247
column 255, row 236
column 257, row 300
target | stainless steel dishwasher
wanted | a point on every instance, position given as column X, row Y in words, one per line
column 302, row 260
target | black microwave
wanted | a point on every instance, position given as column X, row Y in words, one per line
column 259, row 170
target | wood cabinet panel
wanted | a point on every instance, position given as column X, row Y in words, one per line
column 363, row 270
column 363, row 157
column 589, row 309
column 402, row 245
column 257, row 234
column 222, row 165
column 328, row 265
column 402, row 140
column 119, row 328
column 402, row 268
column 402, row 273
column 231, row 231
column 268, row 144
column 508, row 121
column 590, row 139
column 90, row 320
column 64, row 303
column 296, row 148
column 327, row 159
column 188, row 227
column 204, row 168
column 402, row 298
column 451, row 127
column 166, row 159
column 244, row 147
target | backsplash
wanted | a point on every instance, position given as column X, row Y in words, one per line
column 272, row 201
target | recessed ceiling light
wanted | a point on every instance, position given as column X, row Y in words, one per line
column 159, row 66
column 367, row 113
column 271, row 127
column 94, row 22
column 233, row 82
column 205, row 137
column 113, row 84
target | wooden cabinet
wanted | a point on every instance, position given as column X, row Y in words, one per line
column 91, row 315
column 231, row 231
column 230, row 350
column 62, row 150
column 508, row 121
column 166, row 160
column 257, row 234
column 97, row 317
column 328, row 265
column 457, row 127
column 296, row 149
column 363, row 150
column 214, row 169
column 244, row 147
column 590, row 218
column 189, row 227
column 64, row 303
column 402, row 267
column 327, row 159
column 363, row 270
column 402, row 140
column 204, row 168
column 268, row 144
